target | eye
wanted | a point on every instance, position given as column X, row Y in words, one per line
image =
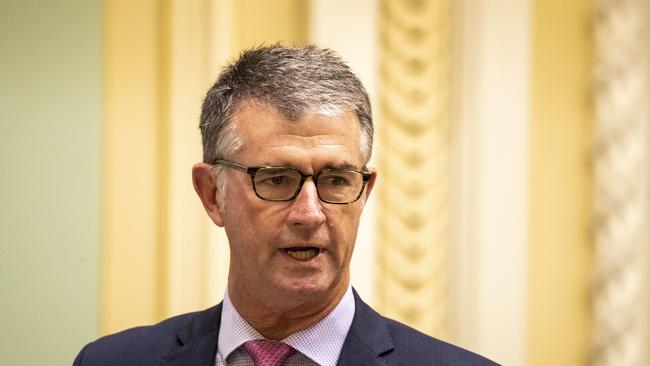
column 334, row 180
column 277, row 180
column 277, row 177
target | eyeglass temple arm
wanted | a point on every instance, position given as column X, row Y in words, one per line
column 230, row 164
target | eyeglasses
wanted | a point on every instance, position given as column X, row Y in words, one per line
column 270, row 183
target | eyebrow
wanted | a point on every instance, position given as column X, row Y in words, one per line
column 341, row 166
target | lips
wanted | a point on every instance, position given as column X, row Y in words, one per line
column 302, row 253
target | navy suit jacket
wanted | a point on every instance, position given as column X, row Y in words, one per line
column 191, row 340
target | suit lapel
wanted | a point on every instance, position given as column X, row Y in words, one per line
column 366, row 343
column 197, row 341
column 368, row 339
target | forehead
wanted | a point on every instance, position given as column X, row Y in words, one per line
column 308, row 142
column 270, row 136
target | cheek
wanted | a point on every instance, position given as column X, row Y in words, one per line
column 343, row 227
column 241, row 247
column 252, row 228
column 241, row 229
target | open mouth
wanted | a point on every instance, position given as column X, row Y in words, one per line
column 302, row 253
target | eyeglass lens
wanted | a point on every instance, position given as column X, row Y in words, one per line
column 337, row 186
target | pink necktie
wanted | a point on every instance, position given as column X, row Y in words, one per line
column 268, row 353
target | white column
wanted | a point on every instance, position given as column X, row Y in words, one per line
column 493, row 40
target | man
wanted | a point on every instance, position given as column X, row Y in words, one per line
column 287, row 133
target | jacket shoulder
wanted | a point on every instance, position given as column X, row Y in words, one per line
column 416, row 348
column 144, row 345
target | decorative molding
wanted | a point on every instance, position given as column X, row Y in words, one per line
column 415, row 138
column 621, row 164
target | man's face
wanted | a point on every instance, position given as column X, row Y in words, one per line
column 261, row 233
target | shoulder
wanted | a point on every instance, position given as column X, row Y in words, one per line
column 399, row 344
column 140, row 346
column 414, row 347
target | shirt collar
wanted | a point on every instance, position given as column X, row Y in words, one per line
column 321, row 342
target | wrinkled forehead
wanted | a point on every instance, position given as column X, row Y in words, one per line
column 257, row 122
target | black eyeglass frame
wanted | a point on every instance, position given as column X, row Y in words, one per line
column 252, row 171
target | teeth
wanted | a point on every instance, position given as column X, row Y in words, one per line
column 302, row 254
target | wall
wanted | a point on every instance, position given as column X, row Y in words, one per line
column 50, row 115
column 560, row 193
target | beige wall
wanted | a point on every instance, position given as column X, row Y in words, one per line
column 132, row 136
column 560, row 185
column 256, row 22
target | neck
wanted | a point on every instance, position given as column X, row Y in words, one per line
column 277, row 321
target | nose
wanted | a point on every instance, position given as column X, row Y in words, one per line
column 306, row 210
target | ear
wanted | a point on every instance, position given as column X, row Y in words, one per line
column 206, row 187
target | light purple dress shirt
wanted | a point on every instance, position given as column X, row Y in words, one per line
column 319, row 344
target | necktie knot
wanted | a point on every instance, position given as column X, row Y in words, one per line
column 268, row 353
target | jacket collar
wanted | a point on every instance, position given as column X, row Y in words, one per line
column 367, row 341
column 197, row 341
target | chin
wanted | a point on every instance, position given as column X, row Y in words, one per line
column 307, row 288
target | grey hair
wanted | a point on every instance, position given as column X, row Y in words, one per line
column 296, row 81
